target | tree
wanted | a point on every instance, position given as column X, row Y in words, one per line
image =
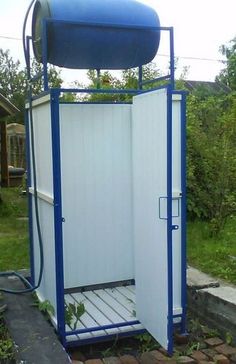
column 211, row 163
column 228, row 74
column 128, row 80
column 13, row 81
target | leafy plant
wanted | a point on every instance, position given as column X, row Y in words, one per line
column 73, row 312
column 147, row 343
column 7, row 350
column 46, row 307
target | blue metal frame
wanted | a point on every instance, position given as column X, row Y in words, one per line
column 58, row 219
column 169, row 221
column 141, row 83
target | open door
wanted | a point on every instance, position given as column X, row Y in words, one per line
column 157, row 213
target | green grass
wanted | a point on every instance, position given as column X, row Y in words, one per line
column 14, row 242
column 213, row 255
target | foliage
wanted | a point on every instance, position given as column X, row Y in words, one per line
column 147, row 343
column 228, row 74
column 211, row 163
column 73, row 312
column 215, row 255
column 46, row 307
column 128, row 80
column 13, row 81
column 7, row 350
column 14, row 244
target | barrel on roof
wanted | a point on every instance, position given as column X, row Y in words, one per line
column 96, row 34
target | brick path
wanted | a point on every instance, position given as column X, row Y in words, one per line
column 215, row 351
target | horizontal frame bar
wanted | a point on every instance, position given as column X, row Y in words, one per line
column 104, row 327
column 80, row 342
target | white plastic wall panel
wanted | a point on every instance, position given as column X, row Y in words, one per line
column 96, row 197
column 47, row 289
column 176, row 186
column 43, row 154
column 43, row 147
column 149, row 126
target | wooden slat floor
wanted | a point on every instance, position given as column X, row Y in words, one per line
column 105, row 307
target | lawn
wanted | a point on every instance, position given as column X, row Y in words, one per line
column 14, row 242
column 214, row 255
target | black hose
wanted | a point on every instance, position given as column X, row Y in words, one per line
column 30, row 288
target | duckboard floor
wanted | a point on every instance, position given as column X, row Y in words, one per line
column 103, row 307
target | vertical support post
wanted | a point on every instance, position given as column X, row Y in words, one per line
column 172, row 58
column 30, row 200
column 98, row 79
column 183, row 214
column 140, row 77
column 4, row 157
column 58, row 231
column 45, row 54
column 169, row 220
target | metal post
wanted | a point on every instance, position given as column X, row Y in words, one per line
column 140, row 78
column 58, row 220
column 169, row 220
column 98, row 79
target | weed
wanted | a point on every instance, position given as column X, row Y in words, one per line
column 7, row 350
column 147, row 343
column 73, row 312
column 46, row 307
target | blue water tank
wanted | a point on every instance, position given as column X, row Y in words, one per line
column 98, row 42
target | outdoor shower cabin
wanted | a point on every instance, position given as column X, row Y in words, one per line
column 107, row 179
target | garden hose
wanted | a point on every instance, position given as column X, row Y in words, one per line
column 30, row 287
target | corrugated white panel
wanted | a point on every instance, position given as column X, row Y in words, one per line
column 176, row 185
column 97, row 199
column 149, row 126
column 43, row 147
column 43, row 154
column 47, row 289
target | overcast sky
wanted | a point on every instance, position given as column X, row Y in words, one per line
column 201, row 26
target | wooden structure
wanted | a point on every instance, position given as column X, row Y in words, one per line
column 16, row 145
column 6, row 109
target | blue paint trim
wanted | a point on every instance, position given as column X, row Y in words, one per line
column 183, row 215
column 80, row 342
column 102, row 327
column 140, row 77
column 169, row 221
column 58, row 231
column 30, row 201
